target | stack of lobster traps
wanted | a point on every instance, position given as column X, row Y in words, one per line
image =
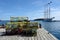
column 21, row 25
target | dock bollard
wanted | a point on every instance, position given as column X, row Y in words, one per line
column 40, row 25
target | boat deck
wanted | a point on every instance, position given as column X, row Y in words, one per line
column 42, row 34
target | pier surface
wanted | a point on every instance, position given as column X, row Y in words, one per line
column 42, row 34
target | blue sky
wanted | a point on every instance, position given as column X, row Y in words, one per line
column 30, row 8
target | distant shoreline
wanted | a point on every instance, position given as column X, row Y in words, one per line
column 34, row 20
column 56, row 20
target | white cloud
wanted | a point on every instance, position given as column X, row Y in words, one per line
column 38, row 3
column 35, row 14
column 55, row 12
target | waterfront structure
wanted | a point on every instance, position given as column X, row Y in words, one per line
column 42, row 34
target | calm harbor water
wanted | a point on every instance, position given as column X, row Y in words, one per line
column 52, row 27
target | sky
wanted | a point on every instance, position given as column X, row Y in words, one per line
column 29, row 8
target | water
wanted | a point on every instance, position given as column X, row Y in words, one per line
column 52, row 27
column 3, row 22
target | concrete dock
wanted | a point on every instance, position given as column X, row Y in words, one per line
column 42, row 34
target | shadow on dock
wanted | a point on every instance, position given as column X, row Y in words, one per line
column 21, row 34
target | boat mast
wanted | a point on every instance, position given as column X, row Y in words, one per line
column 47, row 10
